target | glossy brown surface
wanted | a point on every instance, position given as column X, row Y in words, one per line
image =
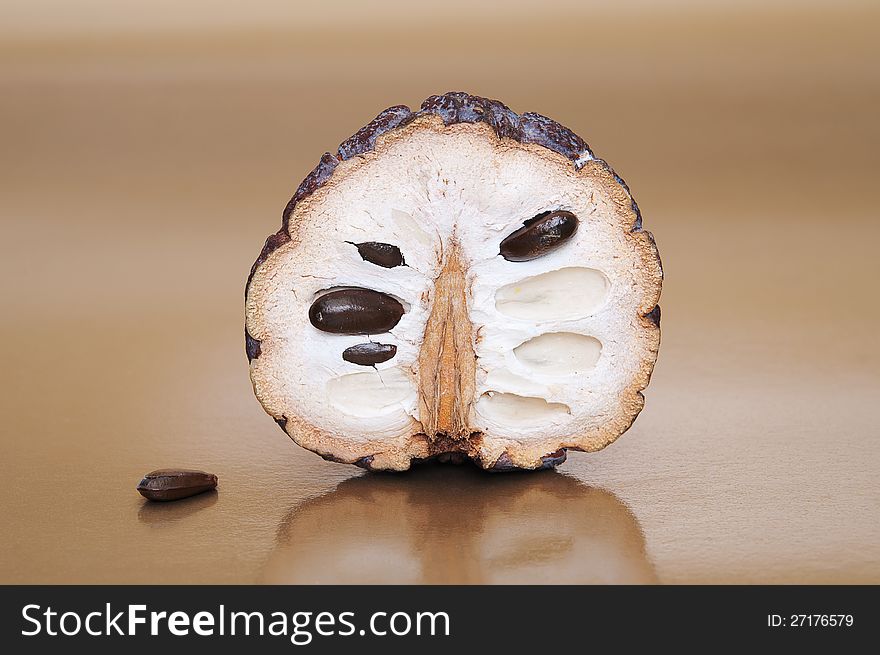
column 141, row 169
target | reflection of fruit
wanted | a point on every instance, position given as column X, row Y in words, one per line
column 440, row 525
column 504, row 269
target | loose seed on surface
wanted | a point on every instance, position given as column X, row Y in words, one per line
column 355, row 311
column 539, row 236
column 367, row 354
column 174, row 484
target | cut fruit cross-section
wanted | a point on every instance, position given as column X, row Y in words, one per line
column 459, row 281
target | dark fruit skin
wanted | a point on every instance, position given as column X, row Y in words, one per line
column 549, row 461
column 355, row 311
column 368, row 354
column 252, row 346
column 380, row 254
column 539, row 236
column 174, row 484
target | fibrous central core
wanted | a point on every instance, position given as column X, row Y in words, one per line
column 447, row 363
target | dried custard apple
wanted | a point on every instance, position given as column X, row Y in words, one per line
column 459, row 281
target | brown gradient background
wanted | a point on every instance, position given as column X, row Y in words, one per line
column 148, row 148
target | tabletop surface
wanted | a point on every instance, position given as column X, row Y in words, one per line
column 139, row 177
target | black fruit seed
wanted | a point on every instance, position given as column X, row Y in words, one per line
column 367, row 354
column 355, row 311
column 539, row 236
column 381, row 254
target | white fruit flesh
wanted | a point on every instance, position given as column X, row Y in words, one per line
column 559, row 353
column 566, row 293
column 561, row 344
